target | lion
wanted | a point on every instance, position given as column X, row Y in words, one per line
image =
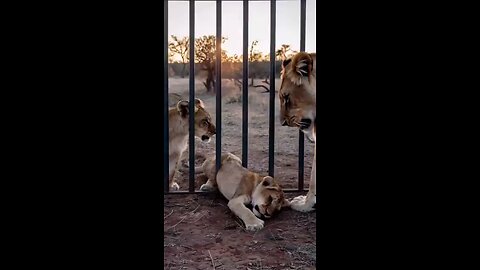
column 178, row 131
column 298, row 106
column 242, row 187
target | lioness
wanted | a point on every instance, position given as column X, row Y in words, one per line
column 178, row 132
column 298, row 109
column 241, row 187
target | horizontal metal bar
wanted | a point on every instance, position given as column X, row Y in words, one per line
column 229, row 0
column 287, row 190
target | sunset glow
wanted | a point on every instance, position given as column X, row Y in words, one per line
column 287, row 24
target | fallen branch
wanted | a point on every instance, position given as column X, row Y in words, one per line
column 268, row 90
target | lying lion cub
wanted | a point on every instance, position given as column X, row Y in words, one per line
column 241, row 187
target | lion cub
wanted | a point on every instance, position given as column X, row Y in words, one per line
column 178, row 130
column 241, row 187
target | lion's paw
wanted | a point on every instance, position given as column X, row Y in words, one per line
column 174, row 186
column 254, row 224
column 301, row 203
column 206, row 187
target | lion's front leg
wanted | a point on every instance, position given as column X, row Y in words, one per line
column 172, row 167
column 237, row 205
column 307, row 203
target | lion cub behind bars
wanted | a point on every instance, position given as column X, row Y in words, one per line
column 241, row 187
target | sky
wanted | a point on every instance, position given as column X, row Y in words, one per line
column 287, row 29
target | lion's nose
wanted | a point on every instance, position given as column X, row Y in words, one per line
column 284, row 123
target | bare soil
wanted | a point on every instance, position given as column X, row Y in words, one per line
column 200, row 230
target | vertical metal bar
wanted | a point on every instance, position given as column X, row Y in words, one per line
column 271, row 121
column 166, row 175
column 245, row 87
column 218, row 88
column 301, row 140
column 191, row 128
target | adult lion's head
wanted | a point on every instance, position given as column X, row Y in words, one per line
column 298, row 93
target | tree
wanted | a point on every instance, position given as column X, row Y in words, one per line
column 284, row 52
column 205, row 48
column 180, row 47
column 254, row 56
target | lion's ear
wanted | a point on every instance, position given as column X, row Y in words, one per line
column 302, row 64
column 199, row 103
column 182, row 107
column 267, row 180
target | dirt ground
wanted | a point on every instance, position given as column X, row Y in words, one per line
column 200, row 230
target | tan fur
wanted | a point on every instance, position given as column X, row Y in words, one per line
column 241, row 187
column 298, row 105
column 178, row 129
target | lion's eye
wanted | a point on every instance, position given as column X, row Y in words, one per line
column 205, row 123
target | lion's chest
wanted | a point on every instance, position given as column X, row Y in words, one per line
column 178, row 144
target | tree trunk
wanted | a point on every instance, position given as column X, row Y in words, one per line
column 210, row 82
column 183, row 70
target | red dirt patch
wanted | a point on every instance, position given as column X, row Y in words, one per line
column 200, row 232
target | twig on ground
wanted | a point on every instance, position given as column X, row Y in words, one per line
column 177, row 223
column 167, row 215
column 222, row 205
column 184, row 217
column 213, row 263
column 199, row 218
column 188, row 247
column 240, row 226
column 274, row 238
column 198, row 205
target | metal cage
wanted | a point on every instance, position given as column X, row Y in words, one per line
column 218, row 151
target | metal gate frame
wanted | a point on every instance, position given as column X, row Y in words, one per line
column 218, row 124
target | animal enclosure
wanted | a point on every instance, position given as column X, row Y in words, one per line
column 224, row 99
column 200, row 231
